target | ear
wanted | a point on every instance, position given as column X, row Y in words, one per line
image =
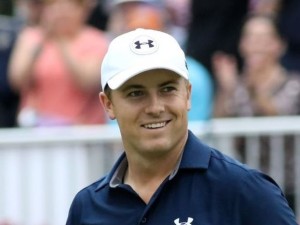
column 107, row 105
column 189, row 96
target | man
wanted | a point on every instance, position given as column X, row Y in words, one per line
column 166, row 175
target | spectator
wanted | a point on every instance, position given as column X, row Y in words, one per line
column 264, row 88
column 55, row 67
column 288, row 14
column 215, row 26
column 152, row 14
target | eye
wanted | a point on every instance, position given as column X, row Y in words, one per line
column 168, row 89
column 135, row 93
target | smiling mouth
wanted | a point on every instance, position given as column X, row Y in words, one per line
column 155, row 125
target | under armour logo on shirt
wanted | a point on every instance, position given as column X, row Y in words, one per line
column 189, row 222
column 143, row 45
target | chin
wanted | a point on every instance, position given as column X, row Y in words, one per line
column 157, row 147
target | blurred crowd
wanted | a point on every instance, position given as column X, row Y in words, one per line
column 243, row 56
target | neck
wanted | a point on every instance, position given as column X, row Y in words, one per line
column 156, row 169
column 145, row 174
column 146, row 178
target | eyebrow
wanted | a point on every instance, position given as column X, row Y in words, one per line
column 138, row 86
column 172, row 81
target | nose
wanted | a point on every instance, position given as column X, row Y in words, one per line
column 155, row 105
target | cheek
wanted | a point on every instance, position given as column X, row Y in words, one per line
column 123, row 112
column 181, row 105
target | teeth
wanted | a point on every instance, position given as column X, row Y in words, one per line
column 155, row 125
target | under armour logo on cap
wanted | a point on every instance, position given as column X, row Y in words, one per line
column 144, row 45
column 139, row 44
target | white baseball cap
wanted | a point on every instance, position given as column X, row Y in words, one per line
column 138, row 51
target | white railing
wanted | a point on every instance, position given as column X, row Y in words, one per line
column 41, row 169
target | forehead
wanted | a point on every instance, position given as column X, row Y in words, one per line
column 260, row 26
column 153, row 77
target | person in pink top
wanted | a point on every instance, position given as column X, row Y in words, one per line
column 55, row 66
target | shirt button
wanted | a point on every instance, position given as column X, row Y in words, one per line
column 144, row 220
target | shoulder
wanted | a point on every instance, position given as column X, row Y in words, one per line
column 233, row 171
column 80, row 202
column 230, row 174
column 214, row 162
column 237, row 171
column 227, row 178
column 252, row 193
column 85, row 195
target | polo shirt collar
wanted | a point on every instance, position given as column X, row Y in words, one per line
column 195, row 155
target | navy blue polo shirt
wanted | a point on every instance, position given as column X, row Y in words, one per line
column 206, row 188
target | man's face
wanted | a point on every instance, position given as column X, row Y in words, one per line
column 151, row 110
